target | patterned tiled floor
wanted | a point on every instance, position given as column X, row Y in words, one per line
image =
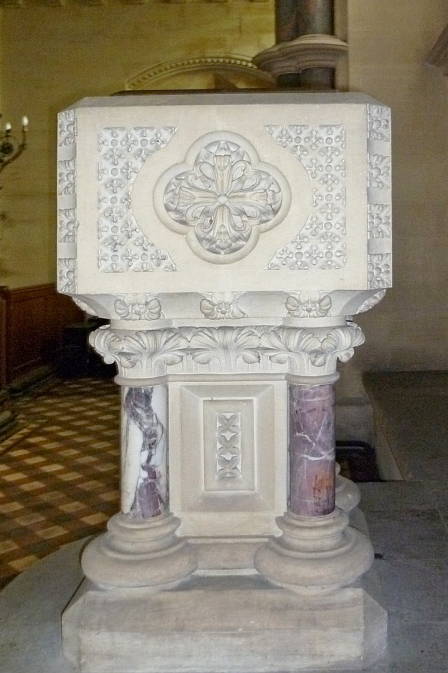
column 59, row 471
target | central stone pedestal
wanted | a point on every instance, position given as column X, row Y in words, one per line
column 223, row 625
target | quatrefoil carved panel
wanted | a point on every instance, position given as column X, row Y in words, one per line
column 222, row 198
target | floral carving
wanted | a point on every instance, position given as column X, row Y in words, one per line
column 224, row 200
column 380, row 220
column 66, row 128
column 138, row 307
column 380, row 270
column 152, row 350
column 221, row 306
column 122, row 153
column 320, row 244
column 308, row 307
column 379, row 122
column 228, row 445
column 67, row 275
column 379, row 171
column 67, row 218
column 67, row 226
column 66, row 177
column 225, row 345
column 379, row 197
column 227, row 349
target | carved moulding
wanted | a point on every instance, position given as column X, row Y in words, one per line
column 66, row 194
column 227, row 66
column 306, row 51
column 311, row 351
column 293, row 308
column 222, row 197
column 379, row 207
column 228, row 445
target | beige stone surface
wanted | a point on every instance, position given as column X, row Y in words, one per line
column 231, row 625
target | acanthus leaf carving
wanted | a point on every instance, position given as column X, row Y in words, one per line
column 149, row 353
column 153, row 350
column 225, row 345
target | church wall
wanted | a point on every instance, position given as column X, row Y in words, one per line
column 389, row 42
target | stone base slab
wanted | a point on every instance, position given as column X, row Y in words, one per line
column 221, row 624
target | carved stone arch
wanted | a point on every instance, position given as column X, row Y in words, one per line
column 202, row 72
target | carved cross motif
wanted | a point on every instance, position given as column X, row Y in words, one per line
column 224, row 200
column 228, row 450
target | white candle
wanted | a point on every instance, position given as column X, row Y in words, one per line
column 25, row 122
column 8, row 126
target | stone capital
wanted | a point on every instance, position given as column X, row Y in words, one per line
column 303, row 351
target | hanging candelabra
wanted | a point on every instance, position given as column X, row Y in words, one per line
column 10, row 146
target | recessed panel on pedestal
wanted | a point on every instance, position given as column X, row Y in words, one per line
column 228, row 456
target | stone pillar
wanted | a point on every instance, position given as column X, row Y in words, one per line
column 293, row 19
column 306, row 51
column 140, row 547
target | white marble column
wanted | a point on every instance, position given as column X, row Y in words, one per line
column 140, row 547
column 144, row 459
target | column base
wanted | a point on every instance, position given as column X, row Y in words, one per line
column 228, row 625
column 315, row 555
column 347, row 494
column 139, row 553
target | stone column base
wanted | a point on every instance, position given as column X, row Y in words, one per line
column 139, row 553
column 226, row 624
column 315, row 555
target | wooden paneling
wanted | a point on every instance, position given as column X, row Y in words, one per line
column 32, row 320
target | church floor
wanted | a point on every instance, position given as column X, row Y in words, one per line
column 59, row 471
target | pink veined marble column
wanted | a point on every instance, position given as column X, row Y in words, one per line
column 311, row 450
column 144, row 483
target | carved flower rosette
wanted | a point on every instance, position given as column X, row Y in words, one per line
column 222, row 197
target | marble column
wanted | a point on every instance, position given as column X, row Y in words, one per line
column 318, row 552
column 311, row 450
column 140, row 548
column 144, row 460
